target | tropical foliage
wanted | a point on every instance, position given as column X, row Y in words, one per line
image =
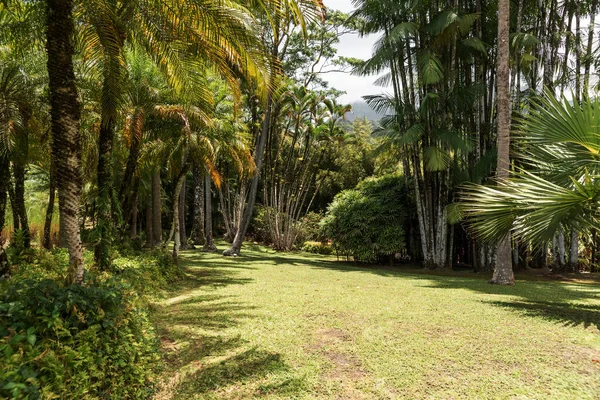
column 369, row 223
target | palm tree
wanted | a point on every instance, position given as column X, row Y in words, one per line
column 557, row 189
column 65, row 114
column 503, row 273
column 177, row 34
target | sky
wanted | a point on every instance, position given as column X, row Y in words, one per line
column 352, row 46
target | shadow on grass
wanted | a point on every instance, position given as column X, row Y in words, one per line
column 563, row 313
column 212, row 275
column 201, row 357
column 251, row 364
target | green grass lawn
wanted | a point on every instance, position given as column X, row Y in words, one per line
column 303, row 326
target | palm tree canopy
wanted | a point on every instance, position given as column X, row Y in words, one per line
column 559, row 142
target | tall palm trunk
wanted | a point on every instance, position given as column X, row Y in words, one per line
column 197, row 234
column 209, row 244
column 105, row 177
column 176, row 194
column 574, row 251
column 182, row 232
column 149, row 227
column 19, row 165
column 259, row 152
column 47, row 240
column 18, row 203
column 4, row 179
column 503, row 272
column 13, row 204
column 589, row 49
column 65, row 115
column 156, row 208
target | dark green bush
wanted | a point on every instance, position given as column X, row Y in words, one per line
column 75, row 342
column 367, row 222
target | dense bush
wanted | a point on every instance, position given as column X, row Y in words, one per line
column 317, row 248
column 80, row 342
column 367, row 222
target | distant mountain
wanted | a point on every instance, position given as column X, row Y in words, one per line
column 360, row 109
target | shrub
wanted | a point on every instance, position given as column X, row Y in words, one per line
column 367, row 222
column 317, row 248
column 309, row 229
column 76, row 342
column 80, row 342
column 147, row 272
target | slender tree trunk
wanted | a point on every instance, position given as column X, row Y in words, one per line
column 134, row 217
column 19, row 166
column 149, row 227
column 197, row 234
column 182, row 232
column 574, row 251
column 4, row 179
column 47, row 240
column 589, row 50
column 561, row 249
column 105, row 178
column 19, row 202
column 176, row 195
column 259, row 152
column 65, row 116
column 578, row 90
column 503, row 273
column 556, row 264
column 14, row 208
column 209, row 244
column 156, row 208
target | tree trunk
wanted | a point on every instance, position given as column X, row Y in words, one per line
column 134, row 216
column 574, row 251
column 209, row 244
column 65, row 115
column 259, row 152
column 19, row 164
column 503, row 273
column 197, row 234
column 156, row 208
column 104, row 173
column 561, row 250
column 182, row 233
column 47, row 240
column 14, row 208
column 589, row 50
column 176, row 195
column 4, row 179
column 149, row 227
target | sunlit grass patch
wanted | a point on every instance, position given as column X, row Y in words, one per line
column 299, row 325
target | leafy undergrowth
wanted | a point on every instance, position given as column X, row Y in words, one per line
column 303, row 326
column 80, row 342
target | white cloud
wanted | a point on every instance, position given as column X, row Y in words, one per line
column 357, row 47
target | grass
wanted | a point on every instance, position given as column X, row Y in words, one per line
column 270, row 325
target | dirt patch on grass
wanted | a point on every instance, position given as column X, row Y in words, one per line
column 347, row 370
column 329, row 335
